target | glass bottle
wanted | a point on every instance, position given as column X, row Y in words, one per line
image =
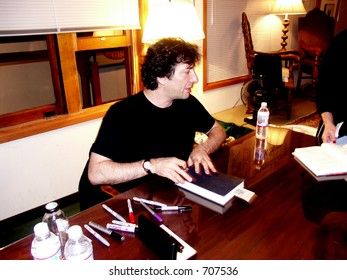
column 57, row 222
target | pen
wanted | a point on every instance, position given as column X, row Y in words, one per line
column 121, row 227
column 107, row 231
column 108, row 209
column 173, row 208
column 97, row 235
column 131, row 212
column 152, row 212
column 123, row 224
column 151, row 202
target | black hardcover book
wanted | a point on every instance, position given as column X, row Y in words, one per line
column 219, row 188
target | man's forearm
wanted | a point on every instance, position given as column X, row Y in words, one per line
column 216, row 137
column 109, row 172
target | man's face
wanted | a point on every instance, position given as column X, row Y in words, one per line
column 180, row 84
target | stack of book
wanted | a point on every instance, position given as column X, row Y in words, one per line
column 215, row 192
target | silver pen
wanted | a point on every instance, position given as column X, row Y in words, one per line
column 115, row 214
column 97, row 235
column 150, row 202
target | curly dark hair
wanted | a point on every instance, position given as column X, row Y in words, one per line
column 162, row 58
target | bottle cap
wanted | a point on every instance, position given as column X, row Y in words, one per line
column 52, row 207
column 41, row 229
column 264, row 104
column 75, row 232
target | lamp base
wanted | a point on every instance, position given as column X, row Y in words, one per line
column 284, row 36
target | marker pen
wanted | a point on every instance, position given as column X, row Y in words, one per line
column 152, row 212
column 150, row 202
column 173, row 208
column 115, row 214
column 121, row 228
column 97, row 235
column 131, row 212
column 107, row 231
column 123, row 224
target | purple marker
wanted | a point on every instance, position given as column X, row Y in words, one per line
column 152, row 212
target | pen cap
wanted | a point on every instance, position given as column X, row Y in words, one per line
column 78, row 247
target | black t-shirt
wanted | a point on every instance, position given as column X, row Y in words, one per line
column 134, row 129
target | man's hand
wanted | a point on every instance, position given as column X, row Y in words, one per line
column 199, row 158
column 172, row 168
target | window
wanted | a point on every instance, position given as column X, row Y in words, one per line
column 55, row 99
column 29, row 79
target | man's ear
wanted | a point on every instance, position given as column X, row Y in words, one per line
column 162, row 80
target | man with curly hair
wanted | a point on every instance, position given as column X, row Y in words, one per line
column 152, row 132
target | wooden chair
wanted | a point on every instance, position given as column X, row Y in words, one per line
column 288, row 58
column 315, row 32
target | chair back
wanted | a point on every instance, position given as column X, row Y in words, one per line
column 247, row 38
column 315, row 30
column 268, row 68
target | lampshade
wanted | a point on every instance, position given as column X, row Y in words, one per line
column 285, row 7
column 172, row 20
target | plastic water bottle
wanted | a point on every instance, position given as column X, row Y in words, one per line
column 259, row 152
column 57, row 222
column 262, row 121
column 45, row 245
column 78, row 247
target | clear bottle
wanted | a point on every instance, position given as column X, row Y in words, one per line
column 57, row 222
column 262, row 125
column 259, row 153
column 45, row 245
column 78, row 247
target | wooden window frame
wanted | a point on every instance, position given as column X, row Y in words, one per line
column 68, row 44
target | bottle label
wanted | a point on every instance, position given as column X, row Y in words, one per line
column 263, row 119
column 88, row 256
column 46, row 254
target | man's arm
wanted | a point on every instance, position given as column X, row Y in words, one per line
column 200, row 154
column 102, row 170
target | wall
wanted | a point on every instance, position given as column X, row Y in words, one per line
column 47, row 166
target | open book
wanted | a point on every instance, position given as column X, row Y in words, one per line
column 219, row 188
column 325, row 162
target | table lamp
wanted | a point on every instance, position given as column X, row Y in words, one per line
column 287, row 7
column 172, row 20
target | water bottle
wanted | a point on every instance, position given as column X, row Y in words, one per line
column 45, row 245
column 262, row 121
column 259, row 153
column 78, row 247
column 57, row 222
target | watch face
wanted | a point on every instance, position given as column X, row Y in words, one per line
column 147, row 165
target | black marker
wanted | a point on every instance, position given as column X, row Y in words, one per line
column 173, row 208
column 107, row 231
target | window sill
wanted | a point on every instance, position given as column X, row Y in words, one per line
column 16, row 132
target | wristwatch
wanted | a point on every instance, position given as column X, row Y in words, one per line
column 146, row 165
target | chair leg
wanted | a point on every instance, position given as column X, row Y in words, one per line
column 289, row 105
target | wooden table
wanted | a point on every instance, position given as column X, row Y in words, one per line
column 273, row 227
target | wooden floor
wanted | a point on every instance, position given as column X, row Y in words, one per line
column 301, row 107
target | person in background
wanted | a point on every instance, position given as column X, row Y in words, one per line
column 332, row 90
column 152, row 132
